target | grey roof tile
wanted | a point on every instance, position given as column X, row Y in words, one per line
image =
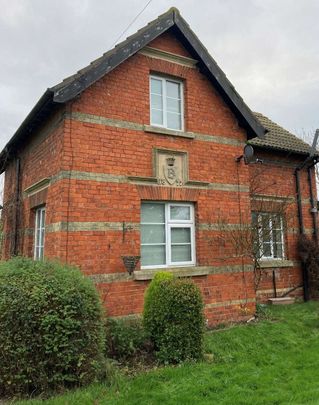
column 279, row 138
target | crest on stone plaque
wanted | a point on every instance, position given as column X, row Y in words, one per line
column 170, row 167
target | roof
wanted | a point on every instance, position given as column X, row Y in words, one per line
column 279, row 138
column 74, row 85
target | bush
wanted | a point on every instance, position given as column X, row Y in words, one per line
column 126, row 339
column 309, row 253
column 51, row 327
column 173, row 316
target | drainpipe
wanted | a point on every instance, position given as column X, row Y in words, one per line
column 300, row 215
column 305, row 277
column 15, row 249
column 314, row 209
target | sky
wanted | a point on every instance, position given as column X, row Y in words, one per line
column 269, row 50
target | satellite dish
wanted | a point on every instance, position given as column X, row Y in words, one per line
column 248, row 154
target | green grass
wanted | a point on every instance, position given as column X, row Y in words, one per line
column 275, row 361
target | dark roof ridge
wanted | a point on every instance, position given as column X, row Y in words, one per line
column 72, row 86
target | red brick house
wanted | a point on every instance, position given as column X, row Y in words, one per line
column 140, row 154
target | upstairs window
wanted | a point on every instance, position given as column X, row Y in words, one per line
column 167, row 235
column 269, row 239
column 166, row 97
column 39, row 233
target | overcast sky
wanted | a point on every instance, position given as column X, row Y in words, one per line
column 269, row 49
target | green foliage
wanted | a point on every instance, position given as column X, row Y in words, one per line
column 126, row 339
column 51, row 327
column 253, row 364
column 173, row 317
column 149, row 299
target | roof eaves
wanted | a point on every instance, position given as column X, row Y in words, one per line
column 255, row 128
column 74, row 85
column 43, row 103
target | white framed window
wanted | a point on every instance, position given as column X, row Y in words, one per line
column 167, row 234
column 166, row 103
column 269, row 242
column 39, row 233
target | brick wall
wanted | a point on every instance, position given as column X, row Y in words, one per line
column 91, row 151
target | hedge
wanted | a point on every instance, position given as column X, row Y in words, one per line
column 173, row 317
column 51, row 327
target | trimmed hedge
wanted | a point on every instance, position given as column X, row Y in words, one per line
column 174, row 319
column 51, row 327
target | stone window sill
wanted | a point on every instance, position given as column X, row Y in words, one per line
column 264, row 264
column 165, row 131
column 148, row 274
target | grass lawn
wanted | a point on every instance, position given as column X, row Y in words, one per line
column 274, row 361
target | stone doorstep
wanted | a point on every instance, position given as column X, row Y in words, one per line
column 281, row 301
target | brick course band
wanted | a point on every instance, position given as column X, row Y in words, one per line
column 132, row 226
column 117, row 178
column 178, row 271
column 231, row 302
column 96, row 119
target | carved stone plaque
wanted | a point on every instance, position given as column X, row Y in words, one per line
column 170, row 167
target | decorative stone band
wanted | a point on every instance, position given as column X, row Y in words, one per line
column 142, row 275
column 231, row 302
column 264, row 264
column 278, row 290
column 99, row 120
column 151, row 181
column 241, row 302
column 168, row 56
column 128, row 226
column 91, row 226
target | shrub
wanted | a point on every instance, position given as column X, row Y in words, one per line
column 174, row 318
column 149, row 298
column 309, row 253
column 126, row 339
column 51, row 327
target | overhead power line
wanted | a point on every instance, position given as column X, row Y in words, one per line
column 132, row 22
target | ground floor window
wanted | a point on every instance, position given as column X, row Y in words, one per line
column 269, row 235
column 167, row 234
column 39, row 233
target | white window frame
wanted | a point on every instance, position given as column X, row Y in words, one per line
column 272, row 242
column 39, row 226
column 164, row 80
column 173, row 223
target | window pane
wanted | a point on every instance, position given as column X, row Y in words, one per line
column 173, row 105
column 153, row 213
column 153, row 255
column 157, row 117
column 174, row 121
column 266, row 234
column 42, row 218
column 156, row 102
column 153, row 233
column 181, row 253
column 37, row 241
column 266, row 249
column 180, row 235
column 173, row 89
column 278, row 251
column 180, row 212
column 156, row 86
column 277, row 235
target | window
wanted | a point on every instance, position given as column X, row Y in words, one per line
column 39, row 232
column 269, row 241
column 167, row 234
column 166, row 97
